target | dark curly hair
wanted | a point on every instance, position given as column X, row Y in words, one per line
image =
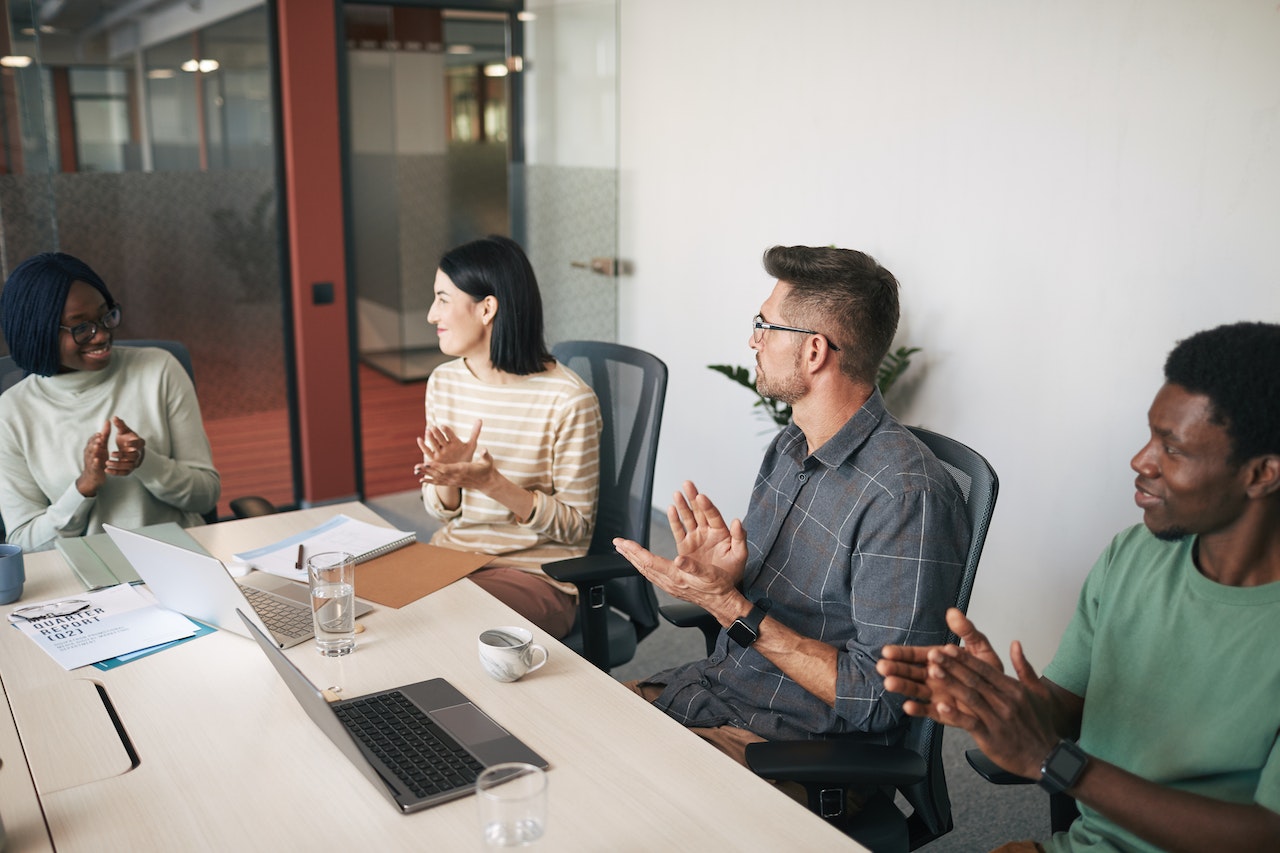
column 1237, row 367
column 31, row 307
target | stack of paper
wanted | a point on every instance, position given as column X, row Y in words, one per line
column 118, row 621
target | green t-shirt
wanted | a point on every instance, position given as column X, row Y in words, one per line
column 1181, row 680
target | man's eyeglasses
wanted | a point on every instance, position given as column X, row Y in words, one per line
column 82, row 333
column 759, row 327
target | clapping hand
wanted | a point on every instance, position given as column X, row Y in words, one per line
column 712, row 554
column 130, row 450
column 1011, row 719
column 94, row 471
column 449, row 461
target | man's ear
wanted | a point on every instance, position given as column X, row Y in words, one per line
column 817, row 352
column 1263, row 476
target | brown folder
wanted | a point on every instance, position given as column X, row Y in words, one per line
column 407, row 574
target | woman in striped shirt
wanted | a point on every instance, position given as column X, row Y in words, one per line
column 510, row 453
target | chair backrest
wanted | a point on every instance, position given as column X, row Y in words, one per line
column 979, row 485
column 175, row 348
column 10, row 373
column 631, row 386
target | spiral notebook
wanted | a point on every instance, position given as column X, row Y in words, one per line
column 362, row 540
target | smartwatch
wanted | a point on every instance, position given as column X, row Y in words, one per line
column 1062, row 768
column 746, row 630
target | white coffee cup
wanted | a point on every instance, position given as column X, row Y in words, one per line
column 507, row 653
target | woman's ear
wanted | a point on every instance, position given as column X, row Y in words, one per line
column 488, row 309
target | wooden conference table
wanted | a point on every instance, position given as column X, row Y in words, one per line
column 227, row 759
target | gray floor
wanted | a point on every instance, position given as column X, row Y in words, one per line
column 985, row 815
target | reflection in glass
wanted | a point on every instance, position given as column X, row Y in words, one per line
column 163, row 179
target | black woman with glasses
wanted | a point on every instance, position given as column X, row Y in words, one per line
column 93, row 433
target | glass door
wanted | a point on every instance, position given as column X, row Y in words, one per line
column 565, row 177
column 464, row 119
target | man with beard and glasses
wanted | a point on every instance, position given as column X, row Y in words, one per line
column 855, row 537
column 1158, row 713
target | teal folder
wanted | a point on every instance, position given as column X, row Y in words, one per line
column 98, row 562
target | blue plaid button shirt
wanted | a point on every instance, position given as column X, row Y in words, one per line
column 859, row 545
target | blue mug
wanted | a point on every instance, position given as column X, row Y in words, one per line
column 12, row 575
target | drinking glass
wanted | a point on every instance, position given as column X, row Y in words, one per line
column 332, row 576
column 513, row 804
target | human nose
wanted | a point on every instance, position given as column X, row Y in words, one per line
column 1143, row 462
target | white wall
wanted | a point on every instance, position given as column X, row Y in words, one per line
column 1063, row 189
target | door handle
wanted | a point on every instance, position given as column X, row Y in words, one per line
column 599, row 266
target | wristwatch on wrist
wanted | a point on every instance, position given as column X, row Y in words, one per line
column 1062, row 768
column 746, row 630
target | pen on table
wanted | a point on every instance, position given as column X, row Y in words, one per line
column 298, row 565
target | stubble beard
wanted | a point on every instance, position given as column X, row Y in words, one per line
column 789, row 389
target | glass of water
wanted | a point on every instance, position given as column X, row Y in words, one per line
column 513, row 804
column 332, row 576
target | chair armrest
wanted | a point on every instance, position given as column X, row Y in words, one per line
column 991, row 771
column 682, row 614
column 590, row 569
column 836, row 761
column 252, row 506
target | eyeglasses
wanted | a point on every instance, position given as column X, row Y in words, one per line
column 759, row 327
column 53, row 608
column 82, row 333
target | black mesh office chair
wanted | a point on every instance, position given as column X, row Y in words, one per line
column 616, row 605
column 827, row 768
column 243, row 507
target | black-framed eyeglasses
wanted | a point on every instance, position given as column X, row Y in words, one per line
column 82, row 333
column 759, row 327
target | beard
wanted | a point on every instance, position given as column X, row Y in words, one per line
column 1170, row 534
column 788, row 389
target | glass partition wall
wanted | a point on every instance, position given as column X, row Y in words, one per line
column 140, row 138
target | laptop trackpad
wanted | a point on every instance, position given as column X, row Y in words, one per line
column 469, row 724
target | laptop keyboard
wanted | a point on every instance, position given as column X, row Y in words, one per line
column 287, row 619
column 412, row 745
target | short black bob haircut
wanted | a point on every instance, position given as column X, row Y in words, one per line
column 496, row 266
column 1237, row 367
column 31, row 307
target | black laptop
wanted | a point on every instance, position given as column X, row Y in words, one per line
column 421, row 744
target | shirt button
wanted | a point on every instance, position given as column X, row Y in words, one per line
column 802, row 477
column 705, row 682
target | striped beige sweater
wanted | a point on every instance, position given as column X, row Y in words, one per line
column 543, row 432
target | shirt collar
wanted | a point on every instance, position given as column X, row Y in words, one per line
column 849, row 438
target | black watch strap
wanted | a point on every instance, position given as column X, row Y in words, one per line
column 1063, row 766
column 746, row 630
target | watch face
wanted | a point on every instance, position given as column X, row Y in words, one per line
column 741, row 633
column 1067, row 764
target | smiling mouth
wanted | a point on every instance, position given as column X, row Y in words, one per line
column 1144, row 498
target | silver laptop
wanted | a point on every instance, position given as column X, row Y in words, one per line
column 420, row 745
column 200, row 586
